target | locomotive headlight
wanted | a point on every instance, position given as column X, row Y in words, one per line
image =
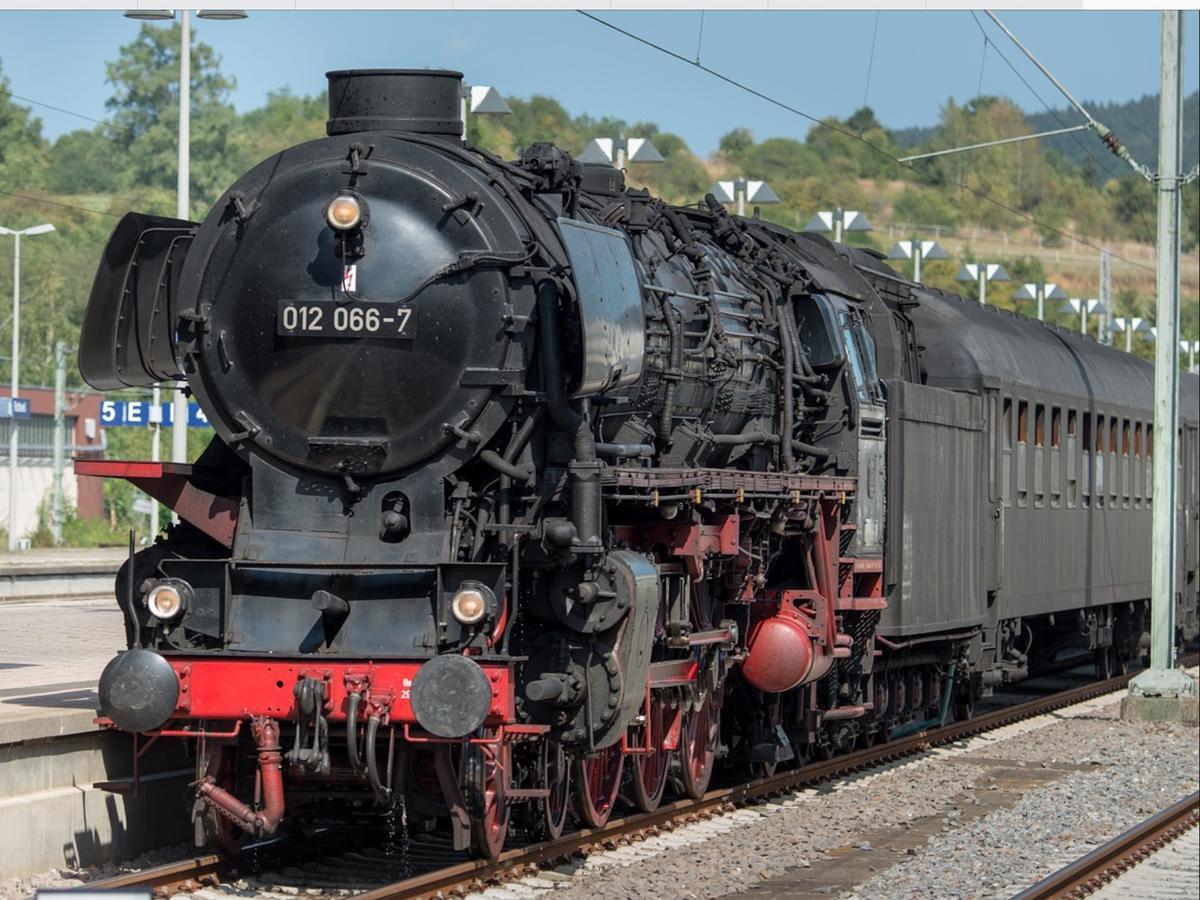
column 344, row 212
column 167, row 600
column 469, row 605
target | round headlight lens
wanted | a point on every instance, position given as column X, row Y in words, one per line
column 165, row 602
column 343, row 212
column 469, row 606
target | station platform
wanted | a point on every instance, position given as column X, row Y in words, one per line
column 57, row 767
column 59, row 573
column 53, row 654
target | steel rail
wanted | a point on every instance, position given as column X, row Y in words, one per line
column 211, row 869
column 188, row 874
column 1089, row 873
column 525, row 860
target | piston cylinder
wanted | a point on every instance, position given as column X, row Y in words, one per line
column 780, row 652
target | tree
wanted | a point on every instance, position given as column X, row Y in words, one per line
column 22, row 147
column 81, row 162
column 145, row 113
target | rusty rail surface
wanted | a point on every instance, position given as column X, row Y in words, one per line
column 1089, row 873
column 186, row 875
column 520, row 861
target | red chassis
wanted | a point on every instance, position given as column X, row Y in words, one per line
column 227, row 689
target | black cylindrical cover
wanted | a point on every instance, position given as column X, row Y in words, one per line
column 420, row 101
column 138, row 690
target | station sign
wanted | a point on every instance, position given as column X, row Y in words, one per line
column 14, row 409
column 143, row 414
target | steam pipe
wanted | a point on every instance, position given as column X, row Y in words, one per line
column 787, row 412
column 746, row 437
column 521, row 474
column 675, row 330
column 811, row 450
column 266, row 821
column 382, row 793
column 603, row 449
column 564, row 416
column 352, row 731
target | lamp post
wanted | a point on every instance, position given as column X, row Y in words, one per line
column 982, row 273
column 1041, row 293
column 740, row 190
column 482, row 100
column 917, row 250
column 838, row 221
column 1129, row 326
column 179, row 403
column 1190, row 348
column 1084, row 306
column 615, row 151
column 17, row 234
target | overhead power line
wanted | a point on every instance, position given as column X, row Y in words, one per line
column 982, row 195
column 1147, row 232
column 995, row 143
column 44, row 201
column 1106, row 134
column 68, row 112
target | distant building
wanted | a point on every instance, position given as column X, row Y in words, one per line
column 35, row 457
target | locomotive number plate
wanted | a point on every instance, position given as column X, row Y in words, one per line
column 326, row 318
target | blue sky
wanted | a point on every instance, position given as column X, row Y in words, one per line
column 816, row 61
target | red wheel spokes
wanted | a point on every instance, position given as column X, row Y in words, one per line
column 650, row 769
column 701, row 732
column 597, row 779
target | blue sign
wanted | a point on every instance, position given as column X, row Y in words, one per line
column 14, row 409
column 142, row 414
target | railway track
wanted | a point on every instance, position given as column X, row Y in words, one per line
column 427, row 866
column 1089, row 873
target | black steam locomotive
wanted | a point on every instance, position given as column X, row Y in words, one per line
column 527, row 486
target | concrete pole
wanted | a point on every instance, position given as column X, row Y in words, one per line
column 1162, row 679
column 983, row 284
column 916, row 252
column 1041, row 299
column 739, row 190
column 464, row 107
column 1106, row 311
column 1128, row 338
column 620, row 147
column 179, row 401
column 60, row 420
column 1083, row 311
column 839, row 223
column 16, row 378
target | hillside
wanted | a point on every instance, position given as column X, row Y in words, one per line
column 1135, row 122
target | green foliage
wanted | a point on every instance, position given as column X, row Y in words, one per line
column 145, row 112
column 21, row 143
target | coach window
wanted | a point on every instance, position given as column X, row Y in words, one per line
column 1056, row 474
column 1114, row 472
column 1085, row 468
column 1006, row 451
column 1022, row 452
column 1126, row 462
column 1139, row 464
column 1072, row 460
column 1039, row 453
column 1149, row 463
column 1098, row 446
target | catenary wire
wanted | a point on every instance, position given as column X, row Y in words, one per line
column 850, row 134
column 1147, row 232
